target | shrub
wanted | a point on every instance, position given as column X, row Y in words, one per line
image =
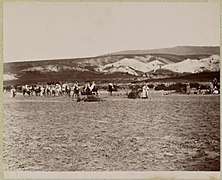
column 160, row 87
column 194, row 85
column 178, row 87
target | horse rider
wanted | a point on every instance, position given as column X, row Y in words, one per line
column 47, row 90
column 87, row 89
column 31, row 90
column 93, row 88
column 27, row 89
column 76, row 89
column 53, row 90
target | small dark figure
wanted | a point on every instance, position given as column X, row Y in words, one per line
column 110, row 88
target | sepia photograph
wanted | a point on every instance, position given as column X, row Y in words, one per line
column 106, row 87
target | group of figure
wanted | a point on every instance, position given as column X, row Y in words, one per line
column 66, row 89
column 111, row 88
column 51, row 90
column 214, row 88
column 90, row 89
column 72, row 90
column 139, row 92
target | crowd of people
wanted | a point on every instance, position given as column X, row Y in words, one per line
column 73, row 90
column 66, row 89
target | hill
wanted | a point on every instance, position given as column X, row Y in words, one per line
column 178, row 50
column 183, row 78
column 115, row 67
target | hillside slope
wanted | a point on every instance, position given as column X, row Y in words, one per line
column 116, row 66
column 178, row 50
column 211, row 63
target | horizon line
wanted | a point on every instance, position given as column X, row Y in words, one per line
column 107, row 54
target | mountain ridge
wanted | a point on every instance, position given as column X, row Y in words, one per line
column 117, row 66
column 178, row 50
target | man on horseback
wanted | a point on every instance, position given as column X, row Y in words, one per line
column 37, row 90
column 87, row 89
column 94, row 89
column 47, row 91
column 68, row 89
column 53, row 90
column 25, row 89
column 76, row 90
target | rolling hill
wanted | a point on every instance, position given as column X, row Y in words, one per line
column 123, row 66
column 178, row 50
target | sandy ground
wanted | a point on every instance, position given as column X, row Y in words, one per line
column 173, row 132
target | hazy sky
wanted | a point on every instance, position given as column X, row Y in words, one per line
column 64, row 30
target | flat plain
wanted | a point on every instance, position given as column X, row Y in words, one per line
column 164, row 132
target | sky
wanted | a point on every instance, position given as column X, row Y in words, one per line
column 42, row 30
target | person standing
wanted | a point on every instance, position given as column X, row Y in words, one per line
column 42, row 89
column 215, row 82
column 76, row 91
column 72, row 91
column 188, row 88
column 211, row 88
column 145, row 90
column 13, row 90
column 110, row 88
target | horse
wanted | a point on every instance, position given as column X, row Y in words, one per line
column 47, row 92
column 25, row 91
column 58, row 90
column 86, row 90
column 94, row 91
column 53, row 91
column 31, row 89
column 76, row 91
column 37, row 90
column 64, row 89
column 68, row 90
